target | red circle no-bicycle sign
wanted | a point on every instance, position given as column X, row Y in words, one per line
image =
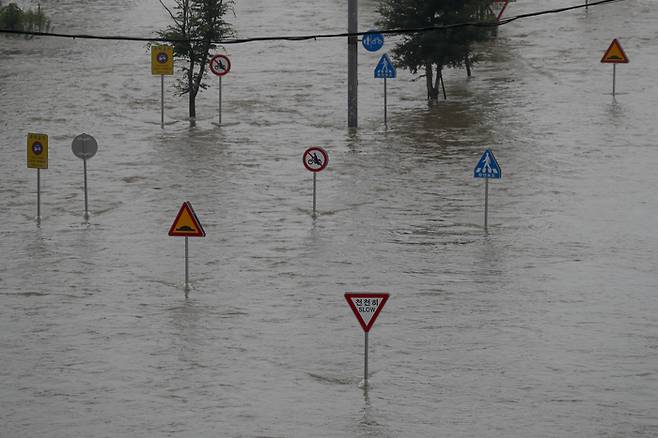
column 315, row 159
column 220, row 65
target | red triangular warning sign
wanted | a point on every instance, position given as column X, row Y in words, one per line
column 366, row 306
column 615, row 54
column 187, row 224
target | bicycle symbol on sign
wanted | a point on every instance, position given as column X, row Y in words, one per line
column 314, row 160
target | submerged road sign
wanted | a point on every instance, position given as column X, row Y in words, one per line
column 372, row 41
column 487, row 166
column 315, row 159
column 385, row 68
column 187, row 223
column 162, row 60
column 37, row 151
column 220, row 65
column 615, row 54
column 366, row 306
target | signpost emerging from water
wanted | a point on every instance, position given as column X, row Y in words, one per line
column 614, row 55
column 37, row 158
column 352, row 63
column 162, row 63
column 315, row 160
column 385, row 69
column 84, row 146
column 487, row 167
column 186, row 225
column 220, row 65
column 366, row 307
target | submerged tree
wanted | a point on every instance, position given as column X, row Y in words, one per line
column 435, row 50
column 197, row 26
column 12, row 17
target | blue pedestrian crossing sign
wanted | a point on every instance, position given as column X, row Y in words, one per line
column 385, row 68
column 487, row 167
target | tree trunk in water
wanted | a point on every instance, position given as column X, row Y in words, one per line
column 439, row 82
column 432, row 90
column 467, row 63
column 191, row 94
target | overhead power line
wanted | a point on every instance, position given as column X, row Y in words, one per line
column 315, row 36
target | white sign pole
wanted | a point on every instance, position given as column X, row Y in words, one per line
column 38, row 196
column 161, row 101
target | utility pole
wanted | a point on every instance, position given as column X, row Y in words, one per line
column 352, row 79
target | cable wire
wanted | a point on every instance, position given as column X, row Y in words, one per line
column 311, row 37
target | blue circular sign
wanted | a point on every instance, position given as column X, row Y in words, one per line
column 37, row 148
column 162, row 58
column 372, row 41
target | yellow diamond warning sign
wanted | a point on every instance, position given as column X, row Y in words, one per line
column 37, row 151
column 187, row 223
column 615, row 54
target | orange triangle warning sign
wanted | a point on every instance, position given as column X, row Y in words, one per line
column 187, row 224
column 615, row 54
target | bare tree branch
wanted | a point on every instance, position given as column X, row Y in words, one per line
column 170, row 13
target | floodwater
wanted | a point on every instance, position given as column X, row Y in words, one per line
column 543, row 327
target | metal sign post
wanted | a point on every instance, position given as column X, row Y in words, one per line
column 86, row 202
column 186, row 225
column 84, row 146
column 614, row 78
column 220, row 65
column 187, row 267
column 220, row 101
column 365, row 360
column 37, row 158
column 315, row 160
column 38, row 196
column 487, row 167
column 614, row 55
column 486, row 202
column 366, row 307
column 162, row 63
column 385, row 105
column 161, row 101
column 385, row 70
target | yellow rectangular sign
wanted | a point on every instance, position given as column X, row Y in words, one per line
column 162, row 60
column 37, row 151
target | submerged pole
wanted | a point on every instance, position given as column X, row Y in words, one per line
column 352, row 53
column 486, row 202
column 38, row 196
column 162, row 101
column 84, row 164
column 365, row 361
column 187, row 267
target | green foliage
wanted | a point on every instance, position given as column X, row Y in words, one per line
column 442, row 48
column 196, row 24
column 12, row 17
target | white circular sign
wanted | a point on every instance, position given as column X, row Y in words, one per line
column 84, row 146
column 220, row 65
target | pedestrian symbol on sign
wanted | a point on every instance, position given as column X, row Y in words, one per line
column 487, row 166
